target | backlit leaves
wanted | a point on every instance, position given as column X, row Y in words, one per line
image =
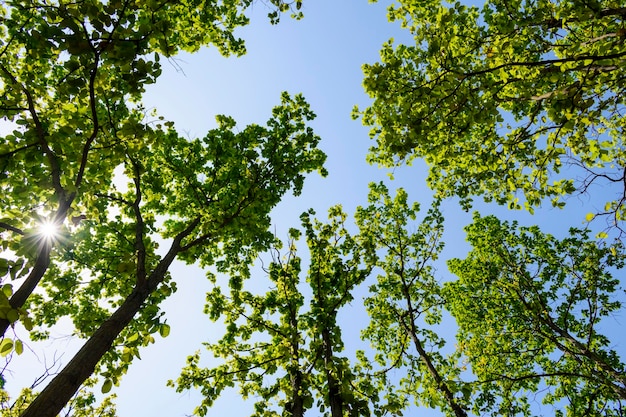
column 530, row 310
column 282, row 347
column 517, row 102
column 71, row 80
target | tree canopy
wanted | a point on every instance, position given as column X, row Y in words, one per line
column 72, row 76
column 530, row 309
column 517, row 102
column 277, row 348
column 520, row 103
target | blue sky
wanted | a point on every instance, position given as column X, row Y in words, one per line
column 320, row 57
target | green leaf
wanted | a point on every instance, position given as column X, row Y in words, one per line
column 7, row 289
column 13, row 316
column 106, row 387
column 125, row 267
column 6, row 346
column 4, row 267
column 19, row 347
column 517, row 298
column 27, row 322
column 133, row 338
column 164, row 330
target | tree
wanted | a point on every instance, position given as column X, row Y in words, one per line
column 517, row 102
column 530, row 311
column 72, row 76
column 405, row 305
column 279, row 351
column 286, row 355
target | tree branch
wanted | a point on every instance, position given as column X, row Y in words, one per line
column 11, row 228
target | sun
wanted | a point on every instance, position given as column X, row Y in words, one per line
column 48, row 230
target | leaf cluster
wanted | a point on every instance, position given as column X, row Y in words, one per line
column 72, row 75
column 277, row 347
column 518, row 102
column 529, row 309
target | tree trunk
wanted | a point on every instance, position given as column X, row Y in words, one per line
column 424, row 356
column 295, row 407
column 28, row 286
column 334, row 389
column 60, row 390
column 441, row 385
